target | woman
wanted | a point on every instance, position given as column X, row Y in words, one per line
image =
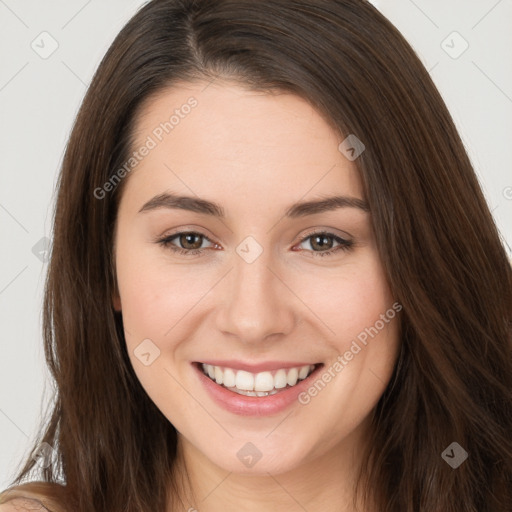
column 275, row 283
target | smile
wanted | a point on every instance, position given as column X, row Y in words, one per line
column 250, row 389
column 260, row 384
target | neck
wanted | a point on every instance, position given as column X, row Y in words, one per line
column 323, row 482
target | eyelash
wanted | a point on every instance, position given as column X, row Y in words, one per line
column 344, row 245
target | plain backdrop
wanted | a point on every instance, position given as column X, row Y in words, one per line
column 463, row 44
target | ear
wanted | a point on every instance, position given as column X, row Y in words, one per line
column 116, row 301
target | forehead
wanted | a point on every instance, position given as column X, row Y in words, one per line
column 220, row 138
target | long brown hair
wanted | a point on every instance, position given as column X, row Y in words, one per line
column 436, row 237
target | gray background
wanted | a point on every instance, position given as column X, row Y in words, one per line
column 39, row 98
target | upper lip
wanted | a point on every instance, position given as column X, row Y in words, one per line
column 256, row 368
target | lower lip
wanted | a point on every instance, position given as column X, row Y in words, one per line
column 253, row 405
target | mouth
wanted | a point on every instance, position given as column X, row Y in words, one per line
column 257, row 384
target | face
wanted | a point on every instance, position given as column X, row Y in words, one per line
column 267, row 288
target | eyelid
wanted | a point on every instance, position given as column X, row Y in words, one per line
column 190, row 228
column 324, row 230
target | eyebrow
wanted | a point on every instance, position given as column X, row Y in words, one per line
column 302, row 209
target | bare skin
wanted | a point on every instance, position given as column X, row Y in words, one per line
column 255, row 155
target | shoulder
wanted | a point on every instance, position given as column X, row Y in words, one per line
column 34, row 496
column 22, row 505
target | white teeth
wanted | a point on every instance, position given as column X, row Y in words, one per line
column 264, row 382
column 259, row 384
column 280, row 379
column 244, row 380
column 253, row 393
column 303, row 372
column 293, row 375
column 229, row 378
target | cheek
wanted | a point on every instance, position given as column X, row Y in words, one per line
column 157, row 301
column 155, row 295
column 348, row 301
column 364, row 346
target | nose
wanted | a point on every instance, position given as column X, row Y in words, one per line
column 255, row 301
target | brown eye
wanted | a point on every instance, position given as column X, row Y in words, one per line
column 187, row 240
column 322, row 244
